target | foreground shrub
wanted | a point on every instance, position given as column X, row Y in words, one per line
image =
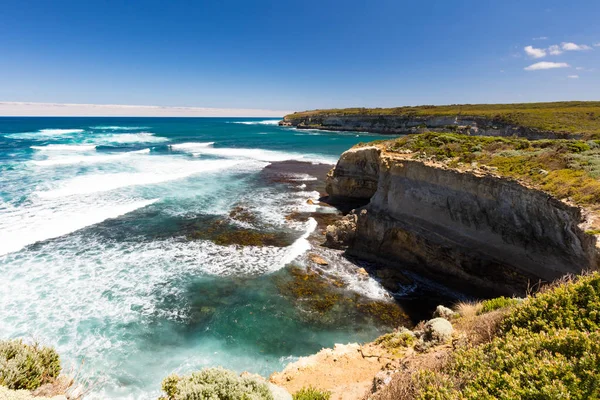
column 547, row 347
column 311, row 393
column 573, row 305
column 215, row 384
column 25, row 366
column 497, row 303
column 396, row 340
column 564, row 364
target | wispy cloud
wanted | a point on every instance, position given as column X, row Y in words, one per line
column 573, row 76
column 534, row 53
column 596, row 44
column 540, row 38
column 554, row 50
column 546, row 65
column 11, row 108
column 568, row 46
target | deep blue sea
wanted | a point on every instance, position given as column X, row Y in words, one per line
column 97, row 256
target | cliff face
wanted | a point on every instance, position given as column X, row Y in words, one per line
column 407, row 124
column 474, row 228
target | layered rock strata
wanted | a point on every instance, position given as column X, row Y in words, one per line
column 471, row 228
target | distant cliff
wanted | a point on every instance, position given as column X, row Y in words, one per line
column 485, row 212
column 533, row 121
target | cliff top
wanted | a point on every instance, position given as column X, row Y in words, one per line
column 567, row 169
column 572, row 116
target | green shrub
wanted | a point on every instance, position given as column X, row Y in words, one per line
column 564, row 364
column 574, row 305
column 25, row 366
column 215, row 384
column 311, row 393
column 496, row 304
column 396, row 340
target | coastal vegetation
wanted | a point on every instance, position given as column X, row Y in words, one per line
column 24, row 366
column 567, row 169
column 545, row 347
column 215, row 384
column 571, row 117
column 311, row 393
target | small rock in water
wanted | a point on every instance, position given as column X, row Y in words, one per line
column 317, row 259
column 310, row 201
column 363, row 272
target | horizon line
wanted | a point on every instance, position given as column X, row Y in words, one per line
column 35, row 109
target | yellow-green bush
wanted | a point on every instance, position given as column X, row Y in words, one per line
column 548, row 348
column 214, row 384
column 574, row 305
column 25, row 366
column 310, row 393
column 497, row 303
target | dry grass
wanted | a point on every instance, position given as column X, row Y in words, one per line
column 468, row 309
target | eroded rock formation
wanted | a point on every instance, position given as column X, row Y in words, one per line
column 470, row 227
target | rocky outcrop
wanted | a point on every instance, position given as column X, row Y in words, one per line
column 410, row 123
column 468, row 227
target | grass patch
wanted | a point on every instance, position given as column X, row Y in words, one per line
column 311, row 393
column 580, row 117
column 24, row 366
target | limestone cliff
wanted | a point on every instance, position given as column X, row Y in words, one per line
column 469, row 226
column 565, row 120
column 417, row 124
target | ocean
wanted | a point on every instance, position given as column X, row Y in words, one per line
column 134, row 247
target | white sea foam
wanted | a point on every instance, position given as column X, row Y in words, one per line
column 120, row 128
column 60, row 131
column 65, row 147
column 45, row 220
column 191, row 146
column 300, row 246
column 122, row 138
column 95, row 183
column 90, row 159
column 207, row 148
column 265, row 122
column 44, row 134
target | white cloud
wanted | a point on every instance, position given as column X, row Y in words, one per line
column 554, row 50
column 596, row 44
column 10, row 108
column 573, row 76
column 579, row 68
column 546, row 65
column 535, row 53
column 540, row 38
column 568, row 46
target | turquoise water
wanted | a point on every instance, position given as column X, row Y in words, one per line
column 96, row 256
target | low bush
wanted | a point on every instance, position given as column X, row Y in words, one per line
column 24, row 366
column 574, row 305
column 395, row 340
column 311, row 393
column 546, row 347
column 564, row 364
column 214, row 384
column 496, row 304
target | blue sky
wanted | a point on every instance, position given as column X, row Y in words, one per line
column 295, row 55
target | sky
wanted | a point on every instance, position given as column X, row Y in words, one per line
column 278, row 56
